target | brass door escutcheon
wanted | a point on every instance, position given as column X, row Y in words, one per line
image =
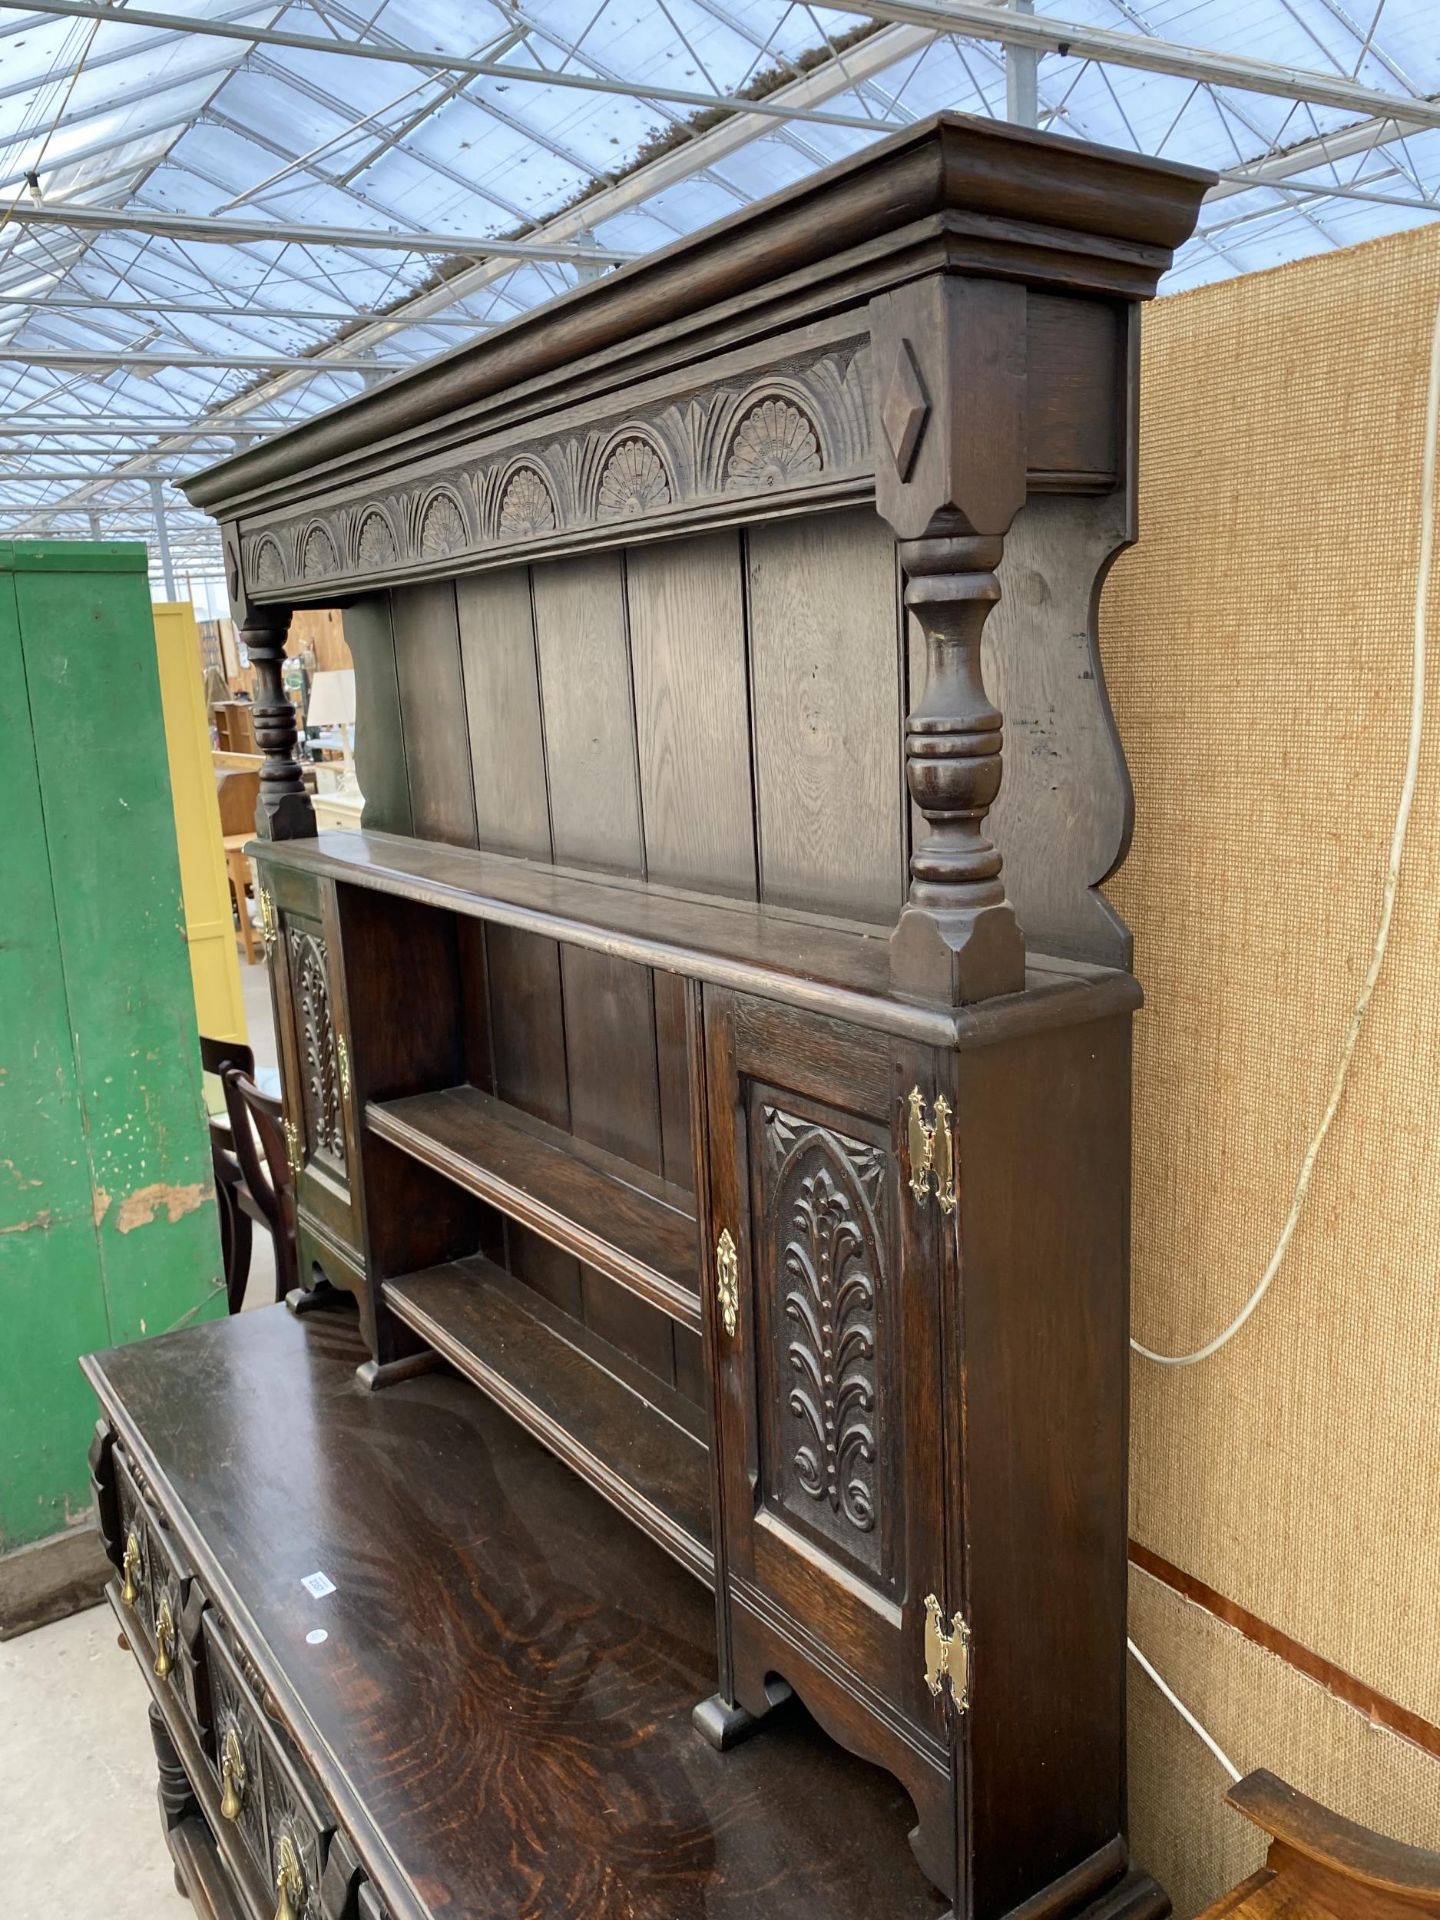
column 234, row 1775
column 727, row 1282
column 342, row 1062
column 294, row 1153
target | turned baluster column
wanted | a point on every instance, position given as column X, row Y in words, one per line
column 283, row 810
column 949, row 442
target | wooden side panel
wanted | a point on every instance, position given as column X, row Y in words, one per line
column 502, row 700
column 379, row 735
column 673, row 1066
column 1040, row 1341
column 588, row 717
column 825, row 669
column 432, row 705
column 687, row 634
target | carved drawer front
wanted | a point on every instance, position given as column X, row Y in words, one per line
column 264, row 1789
column 155, row 1581
column 826, row 1291
column 303, row 944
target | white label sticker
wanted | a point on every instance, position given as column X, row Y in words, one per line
column 317, row 1585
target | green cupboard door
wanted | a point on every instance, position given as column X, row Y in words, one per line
column 103, row 978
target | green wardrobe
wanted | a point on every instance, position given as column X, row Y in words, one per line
column 107, row 1214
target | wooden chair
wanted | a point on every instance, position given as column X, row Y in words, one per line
column 215, row 1056
column 1321, row 1865
column 267, row 1193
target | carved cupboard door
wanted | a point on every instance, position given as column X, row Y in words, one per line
column 824, row 1326
column 303, row 942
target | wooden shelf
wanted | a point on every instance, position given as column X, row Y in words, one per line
column 633, row 1226
column 522, row 1352
column 840, row 968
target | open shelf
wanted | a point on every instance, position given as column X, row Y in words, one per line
column 633, row 1226
column 837, row 967
column 634, row 1450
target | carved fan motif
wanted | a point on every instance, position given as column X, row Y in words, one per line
column 634, row 480
column 830, row 1260
column 774, row 446
column 318, row 557
column 442, row 528
column 269, row 568
column 317, row 1037
column 526, row 508
column 375, row 548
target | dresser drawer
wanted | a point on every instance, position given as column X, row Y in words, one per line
column 265, row 1790
column 155, row 1589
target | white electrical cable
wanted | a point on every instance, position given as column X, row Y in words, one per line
column 1184, row 1712
column 1392, row 879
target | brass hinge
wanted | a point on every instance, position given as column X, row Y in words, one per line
column 947, row 1653
column 269, row 922
column 293, row 1151
column 932, row 1151
column 342, row 1060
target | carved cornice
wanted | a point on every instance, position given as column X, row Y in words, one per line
column 797, row 427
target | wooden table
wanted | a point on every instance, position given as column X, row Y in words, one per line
column 238, row 868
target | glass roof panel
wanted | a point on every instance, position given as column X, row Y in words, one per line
column 174, row 134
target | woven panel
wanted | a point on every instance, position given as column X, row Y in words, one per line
column 1262, row 1713
column 1258, row 645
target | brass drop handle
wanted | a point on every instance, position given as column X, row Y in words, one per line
column 289, row 1882
column 130, row 1567
column 234, row 1776
column 164, row 1639
column 727, row 1282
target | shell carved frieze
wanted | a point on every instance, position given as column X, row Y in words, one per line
column 633, row 481
column 823, row 1195
column 803, row 423
column 375, row 547
column 527, row 508
column 318, row 557
column 442, row 528
column 310, row 975
column 775, row 445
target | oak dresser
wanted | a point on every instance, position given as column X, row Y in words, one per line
column 712, row 1165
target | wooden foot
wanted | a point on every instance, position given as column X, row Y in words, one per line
column 724, row 1723
column 374, row 1375
column 323, row 1297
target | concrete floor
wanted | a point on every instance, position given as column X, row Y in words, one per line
column 78, row 1813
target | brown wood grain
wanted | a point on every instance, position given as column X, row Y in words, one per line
column 432, row 709
column 634, row 1229
column 637, row 1452
column 824, row 660
column 502, row 703
column 589, row 723
column 500, row 1716
column 687, row 632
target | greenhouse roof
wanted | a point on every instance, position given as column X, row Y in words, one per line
column 217, row 219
